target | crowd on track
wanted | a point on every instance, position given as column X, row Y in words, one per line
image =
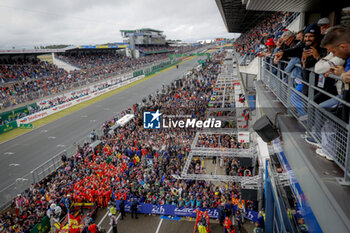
column 26, row 80
column 132, row 163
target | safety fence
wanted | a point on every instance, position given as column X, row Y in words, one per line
column 321, row 120
column 173, row 210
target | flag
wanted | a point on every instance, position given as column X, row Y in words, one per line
column 73, row 225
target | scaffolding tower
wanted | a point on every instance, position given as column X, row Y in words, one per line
column 226, row 97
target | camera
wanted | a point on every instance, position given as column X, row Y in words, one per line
column 307, row 47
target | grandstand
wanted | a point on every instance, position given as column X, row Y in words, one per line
column 25, row 79
column 257, row 133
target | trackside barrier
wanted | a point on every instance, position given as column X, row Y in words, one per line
column 173, row 210
column 58, row 108
column 42, row 227
column 156, row 69
column 8, row 127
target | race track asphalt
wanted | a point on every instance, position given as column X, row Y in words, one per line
column 21, row 155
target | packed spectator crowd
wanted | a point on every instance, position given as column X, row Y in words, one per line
column 250, row 42
column 130, row 163
column 111, row 61
column 155, row 48
column 35, row 79
column 322, row 51
column 20, row 69
column 172, row 49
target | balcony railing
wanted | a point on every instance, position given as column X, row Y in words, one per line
column 331, row 132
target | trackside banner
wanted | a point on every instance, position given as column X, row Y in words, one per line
column 58, row 108
column 182, row 211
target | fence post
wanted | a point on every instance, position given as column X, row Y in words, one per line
column 33, row 177
column 54, row 164
column 310, row 97
column 289, row 95
column 347, row 158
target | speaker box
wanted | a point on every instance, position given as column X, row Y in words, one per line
column 245, row 162
column 266, row 130
column 249, row 194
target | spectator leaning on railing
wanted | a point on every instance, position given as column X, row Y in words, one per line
column 309, row 52
column 337, row 41
column 289, row 41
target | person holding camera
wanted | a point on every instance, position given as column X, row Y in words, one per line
column 309, row 52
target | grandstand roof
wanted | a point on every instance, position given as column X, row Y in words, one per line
column 70, row 48
column 116, row 46
column 237, row 18
column 33, row 51
column 295, row 5
column 142, row 30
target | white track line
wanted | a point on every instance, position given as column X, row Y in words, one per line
column 110, row 229
column 103, row 218
column 160, row 223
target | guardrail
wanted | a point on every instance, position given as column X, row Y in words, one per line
column 288, row 21
column 244, row 60
column 325, row 127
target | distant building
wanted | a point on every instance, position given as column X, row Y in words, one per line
column 143, row 37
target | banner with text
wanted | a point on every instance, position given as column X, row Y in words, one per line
column 173, row 210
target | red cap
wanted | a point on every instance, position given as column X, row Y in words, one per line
column 270, row 42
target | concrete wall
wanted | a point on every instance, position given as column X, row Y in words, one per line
column 295, row 25
column 62, row 64
column 252, row 68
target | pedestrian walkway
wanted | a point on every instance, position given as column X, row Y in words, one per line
column 215, row 169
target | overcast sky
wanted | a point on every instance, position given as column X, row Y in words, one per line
column 29, row 23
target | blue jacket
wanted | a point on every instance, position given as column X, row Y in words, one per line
column 296, row 72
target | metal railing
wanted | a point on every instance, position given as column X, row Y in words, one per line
column 244, row 60
column 331, row 132
column 288, row 21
